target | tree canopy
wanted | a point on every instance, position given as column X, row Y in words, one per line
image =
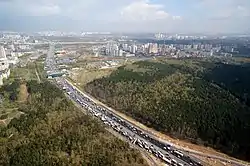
column 197, row 100
column 52, row 131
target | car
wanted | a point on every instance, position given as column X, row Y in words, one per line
column 124, row 133
column 103, row 118
column 160, row 154
column 178, row 153
column 106, row 122
column 167, row 160
column 173, row 161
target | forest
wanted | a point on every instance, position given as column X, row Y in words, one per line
column 52, row 131
column 205, row 102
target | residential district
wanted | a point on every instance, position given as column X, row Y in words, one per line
column 14, row 45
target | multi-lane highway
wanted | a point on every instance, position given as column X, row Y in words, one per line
column 50, row 64
column 165, row 152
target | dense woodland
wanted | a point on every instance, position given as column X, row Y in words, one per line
column 201, row 101
column 52, row 131
column 10, row 91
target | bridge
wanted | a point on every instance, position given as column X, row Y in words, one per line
column 55, row 74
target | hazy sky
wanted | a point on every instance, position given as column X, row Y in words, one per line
column 126, row 15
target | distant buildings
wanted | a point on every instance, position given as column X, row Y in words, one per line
column 4, row 75
column 3, row 59
column 153, row 48
column 113, row 49
column 174, row 46
column 4, row 66
column 120, row 52
column 2, row 53
column 177, row 36
column 134, row 49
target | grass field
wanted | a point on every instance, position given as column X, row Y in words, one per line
column 24, row 73
column 136, row 68
column 28, row 72
column 84, row 76
column 88, row 72
column 242, row 59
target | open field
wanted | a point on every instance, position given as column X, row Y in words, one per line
column 242, row 59
column 89, row 69
column 84, row 76
column 136, row 68
column 24, row 73
column 23, row 94
column 28, row 72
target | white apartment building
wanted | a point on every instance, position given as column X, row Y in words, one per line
column 4, row 66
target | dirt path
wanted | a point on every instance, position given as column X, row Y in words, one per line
column 38, row 78
column 23, row 94
column 2, row 123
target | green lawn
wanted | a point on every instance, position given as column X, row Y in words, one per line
column 25, row 73
column 85, row 76
column 28, row 72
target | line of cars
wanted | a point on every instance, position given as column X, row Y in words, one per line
column 165, row 152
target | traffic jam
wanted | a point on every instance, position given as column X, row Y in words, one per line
column 167, row 153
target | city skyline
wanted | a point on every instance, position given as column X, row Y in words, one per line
column 194, row 16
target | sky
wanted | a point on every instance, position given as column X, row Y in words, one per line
column 169, row 16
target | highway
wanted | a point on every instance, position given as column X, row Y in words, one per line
column 168, row 153
column 50, row 61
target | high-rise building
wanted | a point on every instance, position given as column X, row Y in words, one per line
column 125, row 47
column 130, row 49
column 153, row 48
column 116, row 50
column 2, row 54
column 12, row 47
column 211, row 53
column 120, row 52
column 134, row 49
column 4, row 66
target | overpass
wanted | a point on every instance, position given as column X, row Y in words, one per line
column 55, row 74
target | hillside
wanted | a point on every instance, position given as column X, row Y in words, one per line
column 187, row 99
column 52, row 131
